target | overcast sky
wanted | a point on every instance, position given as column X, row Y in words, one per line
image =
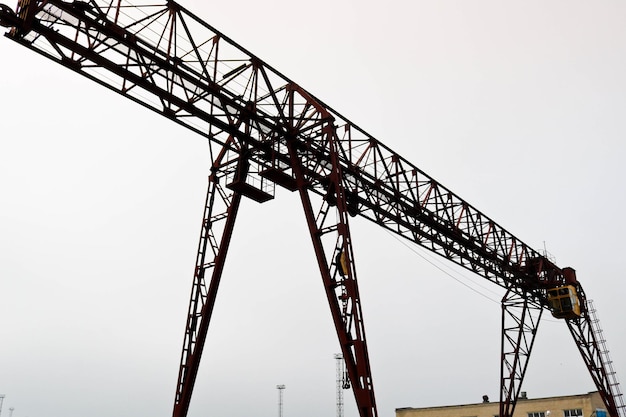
column 518, row 107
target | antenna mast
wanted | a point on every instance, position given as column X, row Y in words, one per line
column 340, row 371
column 342, row 382
column 280, row 388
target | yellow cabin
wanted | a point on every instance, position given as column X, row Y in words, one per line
column 564, row 302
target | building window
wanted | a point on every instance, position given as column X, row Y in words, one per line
column 578, row 412
column 537, row 414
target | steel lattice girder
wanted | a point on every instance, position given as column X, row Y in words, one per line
column 168, row 60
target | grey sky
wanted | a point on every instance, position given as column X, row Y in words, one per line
column 518, row 107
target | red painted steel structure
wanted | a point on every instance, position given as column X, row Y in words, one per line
column 263, row 129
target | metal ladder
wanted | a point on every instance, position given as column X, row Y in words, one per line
column 606, row 360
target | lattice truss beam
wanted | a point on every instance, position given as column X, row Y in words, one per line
column 330, row 233
column 171, row 62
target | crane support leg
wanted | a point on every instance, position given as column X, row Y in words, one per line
column 520, row 319
column 330, row 234
column 588, row 345
column 217, row 226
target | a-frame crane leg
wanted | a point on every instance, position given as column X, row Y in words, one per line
column 336, row 263
column 217, row 226
column 584, row 335
column 520, row 319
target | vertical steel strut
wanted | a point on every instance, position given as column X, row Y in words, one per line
column 520, row 320
column 220, row 212
column 338, row 271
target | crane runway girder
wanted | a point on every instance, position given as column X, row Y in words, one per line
column 386, row 187
column 264, row 129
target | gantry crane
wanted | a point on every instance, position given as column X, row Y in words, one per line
column 265, row 130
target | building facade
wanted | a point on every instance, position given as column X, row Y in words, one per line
column 584, row 405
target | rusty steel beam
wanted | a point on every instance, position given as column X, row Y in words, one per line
column 520, row 321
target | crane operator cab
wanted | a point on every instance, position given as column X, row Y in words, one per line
column 564, row 302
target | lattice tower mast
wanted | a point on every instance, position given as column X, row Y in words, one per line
column 340, row 368
column 281, row 389
column 264, row 129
